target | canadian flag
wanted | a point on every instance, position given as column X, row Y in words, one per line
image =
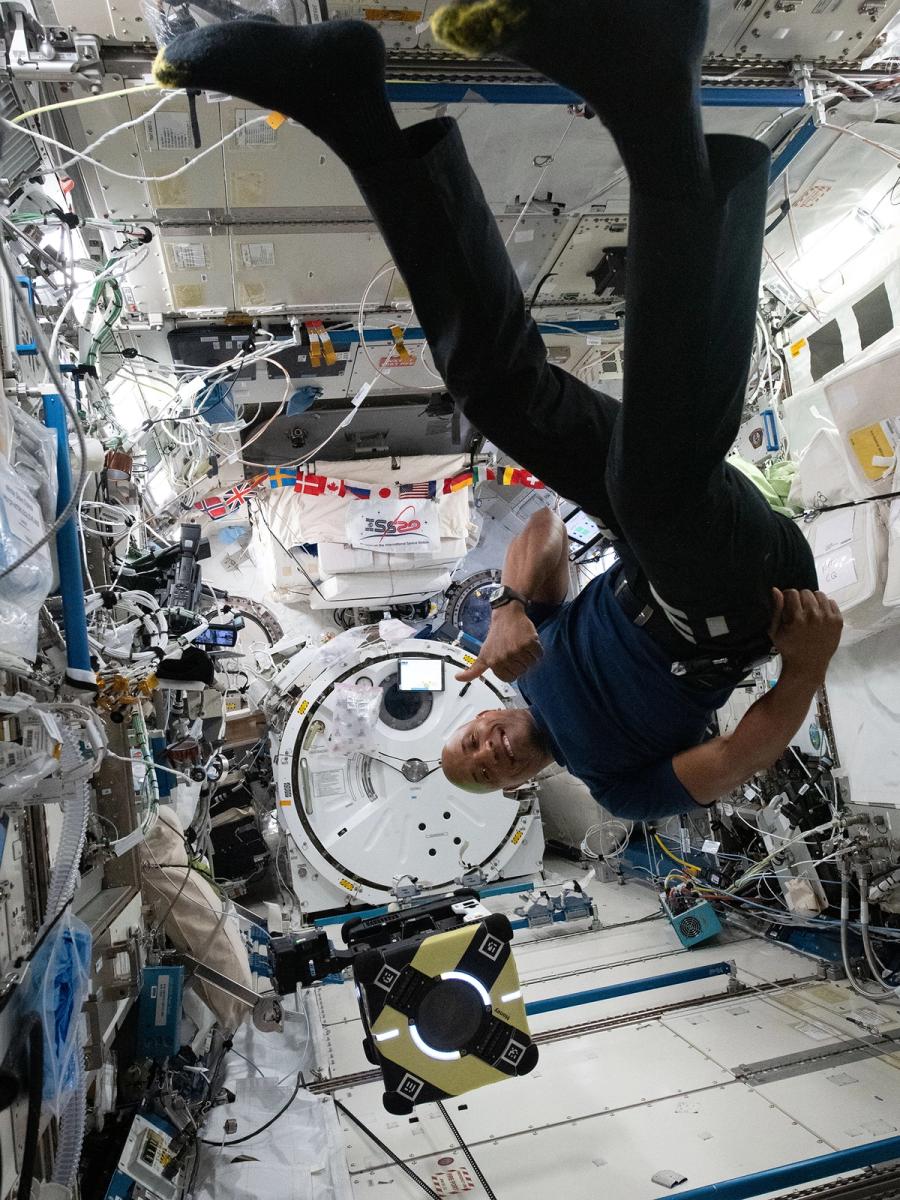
column 335, row 487
column 311, row 485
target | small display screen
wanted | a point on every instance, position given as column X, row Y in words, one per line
column 218, row 635
column 582, row 529
column 421, row 674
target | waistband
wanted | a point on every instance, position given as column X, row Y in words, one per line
column 680, row 635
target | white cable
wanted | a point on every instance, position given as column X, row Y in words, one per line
column 551, row 159
column 169, row 95
column 80, row 157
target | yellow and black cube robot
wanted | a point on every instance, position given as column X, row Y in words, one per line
column 444, row 1014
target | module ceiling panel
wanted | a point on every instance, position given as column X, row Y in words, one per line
column 832, row 30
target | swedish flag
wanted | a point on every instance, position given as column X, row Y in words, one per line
column 280, row 477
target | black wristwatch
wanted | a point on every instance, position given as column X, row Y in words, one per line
column 502, row 595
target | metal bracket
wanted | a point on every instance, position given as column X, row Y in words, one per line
column 268, row 1014
column 120, row 970
column 49, row 53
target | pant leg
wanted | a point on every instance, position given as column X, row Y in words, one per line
column 445, row 242
column 705, row 538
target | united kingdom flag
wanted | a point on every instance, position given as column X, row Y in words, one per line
column 238, row 495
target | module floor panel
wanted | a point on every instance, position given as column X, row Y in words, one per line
column 607, row 1109
column 708, row 1136
column 574, row 964
column 586, row 1076
column 758, row 1029
column 847, row 1105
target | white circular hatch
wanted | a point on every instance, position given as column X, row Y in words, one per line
column 365, row 821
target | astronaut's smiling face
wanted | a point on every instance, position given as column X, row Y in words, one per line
column 499, row 750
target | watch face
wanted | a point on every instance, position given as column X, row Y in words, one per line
column 496, row 593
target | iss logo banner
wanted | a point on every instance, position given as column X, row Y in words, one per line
column 394, row 526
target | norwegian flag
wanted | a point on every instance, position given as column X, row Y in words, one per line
column 311, row 485
column 418, row 491
column 214, row 507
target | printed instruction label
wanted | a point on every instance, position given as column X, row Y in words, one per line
column 162, row 1000
column 170, row 131
column 327, row 784
column 258, row 254
column 260, row 135
column 21, row 510
column 187, row 256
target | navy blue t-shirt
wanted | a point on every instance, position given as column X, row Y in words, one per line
column 614, row 714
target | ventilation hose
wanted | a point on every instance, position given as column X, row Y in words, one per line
column 64, row 878
column 73, row 1117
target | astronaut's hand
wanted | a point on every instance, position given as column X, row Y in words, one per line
column 806, row 630
column 512, row 647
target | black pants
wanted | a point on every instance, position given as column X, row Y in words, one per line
column 699, row 542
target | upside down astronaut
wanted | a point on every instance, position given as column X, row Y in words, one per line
column 622, row 681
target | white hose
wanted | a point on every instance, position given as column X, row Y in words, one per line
column 871, row 957
column 73, row 1118
column 64, row 878
column 883, row 994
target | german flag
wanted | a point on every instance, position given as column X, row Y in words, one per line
column 458, row 482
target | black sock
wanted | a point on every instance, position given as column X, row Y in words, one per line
column 329, row 77
column 636, row 62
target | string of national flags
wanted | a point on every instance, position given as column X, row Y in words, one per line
column 276, row 478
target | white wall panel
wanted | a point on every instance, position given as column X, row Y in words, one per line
column 310, row 267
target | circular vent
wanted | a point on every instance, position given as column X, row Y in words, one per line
column 690, row 927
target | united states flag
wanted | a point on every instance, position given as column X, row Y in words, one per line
column 418, row 491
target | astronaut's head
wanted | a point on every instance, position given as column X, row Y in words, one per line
column 499, row 750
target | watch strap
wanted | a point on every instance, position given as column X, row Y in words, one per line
column 507, row 596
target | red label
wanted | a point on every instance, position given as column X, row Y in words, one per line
column 453, row 1183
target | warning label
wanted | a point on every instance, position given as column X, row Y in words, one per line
column 453, row 1183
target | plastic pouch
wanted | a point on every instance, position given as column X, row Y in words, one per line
column 56, row 989
column 355, row 715
column 26, row 588
column 34, row 461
